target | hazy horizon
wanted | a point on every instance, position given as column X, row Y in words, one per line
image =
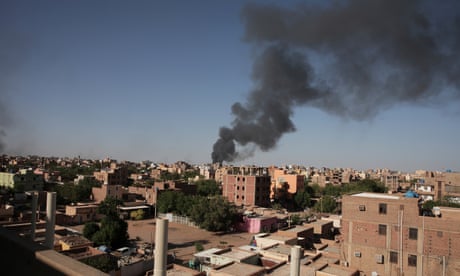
column 156, row 80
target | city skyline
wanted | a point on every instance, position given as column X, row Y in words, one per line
column 156, row 80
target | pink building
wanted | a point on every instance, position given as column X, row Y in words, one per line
column 258, row 224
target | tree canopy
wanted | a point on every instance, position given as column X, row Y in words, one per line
column 219, row 217
column 208, row 187
column 113, row 231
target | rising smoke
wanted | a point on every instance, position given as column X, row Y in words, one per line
column 352, row 59
column 12, row 53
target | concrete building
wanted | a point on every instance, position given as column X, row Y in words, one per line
column 82, row 213
column 387, row 235
column 283, row 181
column 247, row 190
column 23, row 180
column 258, row 224
column 113, row 175
column 437, row 185
column 115, row 191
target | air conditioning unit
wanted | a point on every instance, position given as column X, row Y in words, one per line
column 358, row 254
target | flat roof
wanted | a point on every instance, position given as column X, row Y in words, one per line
column 207, row 253
column 297, row 228
column 241, row 269
column 280, row 248
column 276, row 238
column 376, row 195
column 238, row 254
column 134, row 207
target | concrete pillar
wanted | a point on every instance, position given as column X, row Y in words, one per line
column 50, row 219
column 161, row 247
column 34, row 215
column 296, row 255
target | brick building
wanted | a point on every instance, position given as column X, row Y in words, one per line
column 281, row 179
column 82, row 213
column 113, row 175
column 437, row 185
column 248, row 190
column 387, row 235
column 115, row 191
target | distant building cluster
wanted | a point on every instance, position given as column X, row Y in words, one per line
column 388, row 233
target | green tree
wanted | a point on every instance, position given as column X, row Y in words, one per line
column 316, row 189
column 208, row 187
column 167, row 200
column 220, row 217
column 295, row 219
column 199, row 247
column 109, row 207
column 113, row 233
column 326, row 204
column 89, row 229
column 332, row 190
column 302, row 199
column 137, row 215
column 113, row 230
column 104, row 262
column 365, row 185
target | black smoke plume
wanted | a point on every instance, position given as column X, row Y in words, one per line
column 351, row 58
column 13, row 50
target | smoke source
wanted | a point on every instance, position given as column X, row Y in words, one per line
column 352, row 59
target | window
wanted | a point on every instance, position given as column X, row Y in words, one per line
column 362, row 208
column 413, row 233
column 382, row 208
column 393, row 257
column 412, row 260
column 379, row 258
column 382, row 229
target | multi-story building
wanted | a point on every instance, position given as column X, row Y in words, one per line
column 113, row 175
column 23, row 180
column 437, row 185
column 248, row 190
column 82, row 213
column 388, row 235
column 101, row 193
column 282, row 180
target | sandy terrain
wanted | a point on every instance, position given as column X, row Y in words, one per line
column 182, row 238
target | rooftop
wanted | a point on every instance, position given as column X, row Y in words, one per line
column 376, row 195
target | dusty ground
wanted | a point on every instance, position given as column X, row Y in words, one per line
column 182, row 238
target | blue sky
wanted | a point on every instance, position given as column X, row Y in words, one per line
column 155, row 80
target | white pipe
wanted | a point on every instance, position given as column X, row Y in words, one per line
column 296, row 255
column 161, row 247
column 50, row 219
column 34, row 215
